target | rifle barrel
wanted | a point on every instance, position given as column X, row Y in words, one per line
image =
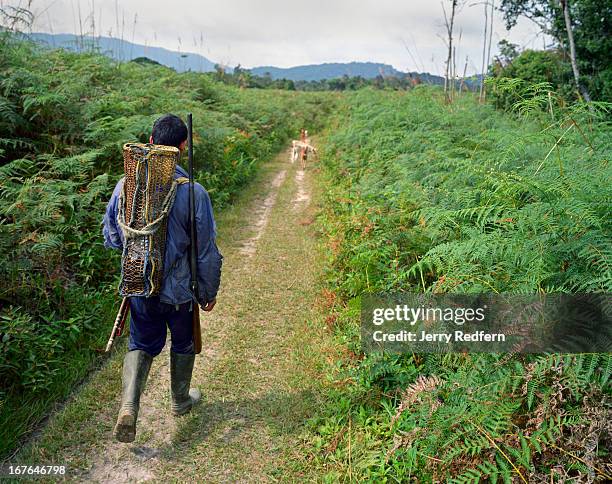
column 197, row 335
column 119, row 322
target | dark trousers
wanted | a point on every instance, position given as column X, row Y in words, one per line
column 148, row 321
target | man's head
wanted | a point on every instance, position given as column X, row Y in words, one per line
column 169, row 130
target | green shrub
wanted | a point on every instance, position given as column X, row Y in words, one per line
column 426, row 196
column 534, row 67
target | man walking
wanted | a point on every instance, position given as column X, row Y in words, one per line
column 172, row 308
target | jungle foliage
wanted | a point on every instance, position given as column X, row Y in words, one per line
column 425, row 196
column 591, row 23
column 532, row 67
column 398, row 81
column 63, row 120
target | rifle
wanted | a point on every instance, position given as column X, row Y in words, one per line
column 197, row 331
column 122, row 315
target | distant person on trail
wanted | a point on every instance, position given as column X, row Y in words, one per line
column 303, row 151
column 301, row 148
column 173, row 306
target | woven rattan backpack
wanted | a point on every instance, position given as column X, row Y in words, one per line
column 149, row 190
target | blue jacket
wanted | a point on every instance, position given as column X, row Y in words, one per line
column 175, row 287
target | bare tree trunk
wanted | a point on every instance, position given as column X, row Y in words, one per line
column 122, row 32
column 81, row 36
column 572, row 46
column 133, row 36
column 449, row 59
column 463, row 77
column 117, row 18
column 456, row 47
column 454, row 76
column 484, row 50
column 484, row 91
column 93, row 24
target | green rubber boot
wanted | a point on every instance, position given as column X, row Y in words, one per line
column 136, row 366
column 183, row 397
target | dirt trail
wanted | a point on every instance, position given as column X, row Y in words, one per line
column 256, row 371
column 262, row 214
column 302, row 195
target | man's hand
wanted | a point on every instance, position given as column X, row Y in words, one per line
column 209, row 305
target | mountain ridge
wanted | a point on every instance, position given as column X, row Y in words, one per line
column 124, row 50
column 328, row 70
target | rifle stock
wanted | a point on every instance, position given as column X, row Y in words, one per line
column 197, row 331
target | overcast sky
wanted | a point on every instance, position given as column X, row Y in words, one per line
column 286, row 32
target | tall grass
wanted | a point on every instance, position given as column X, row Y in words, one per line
column 425, row 196
column 63, row 120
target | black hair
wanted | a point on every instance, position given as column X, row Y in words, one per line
column 169, row 130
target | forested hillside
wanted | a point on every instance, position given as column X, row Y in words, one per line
column 64, row 119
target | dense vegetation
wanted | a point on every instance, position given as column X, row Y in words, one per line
column 427, row 196
column 64, row 118
column 532, row 67
column 591, row 25
column 396, row 80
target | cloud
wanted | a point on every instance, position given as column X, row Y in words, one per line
column 287, row 33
